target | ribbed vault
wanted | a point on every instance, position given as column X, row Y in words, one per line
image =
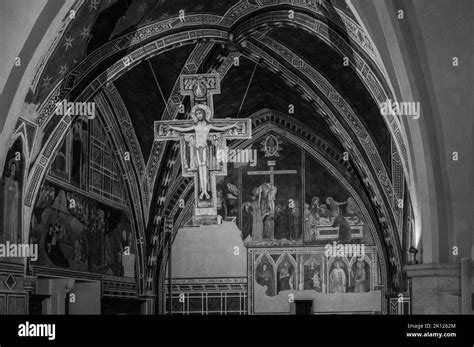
column 267, row 61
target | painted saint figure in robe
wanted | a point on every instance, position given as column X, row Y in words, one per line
column 312, row 277
column 11, row 204
column 269, row 227
column 257, row 218
column 319, row 210
column 360, row 278
column 344, row 228
column 294, row 218
column 334, row 206
column 201, row 115
column 285, row 276
column 263, row 204
column 282, row 227
column 265, row 278
column 337, row 279
column 246, row 220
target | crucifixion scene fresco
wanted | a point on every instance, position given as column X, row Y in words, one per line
column 238, row 157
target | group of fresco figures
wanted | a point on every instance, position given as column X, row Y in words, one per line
column 338, row 281
column 80, row 236
column 321, row 215
column 262, row 220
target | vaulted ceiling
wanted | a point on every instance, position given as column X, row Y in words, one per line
column 98, row 22
column 282, row 62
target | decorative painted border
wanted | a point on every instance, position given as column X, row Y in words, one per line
column 127, row 170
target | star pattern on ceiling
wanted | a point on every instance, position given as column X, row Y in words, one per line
column 68, row 43
column 93, row 5
column 63, row 69
column 46, row 82
column 85, row 33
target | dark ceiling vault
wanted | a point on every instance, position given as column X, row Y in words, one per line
column 267, row 90
column 108, row 20
column 145, row 88
column 141, row 93
column 329, row 63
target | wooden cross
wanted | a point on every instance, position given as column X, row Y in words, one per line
column 272, row 172
column 202, row 139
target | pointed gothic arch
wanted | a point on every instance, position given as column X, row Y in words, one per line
column 269, row 120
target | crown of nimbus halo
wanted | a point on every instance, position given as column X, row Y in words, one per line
column 206, row 109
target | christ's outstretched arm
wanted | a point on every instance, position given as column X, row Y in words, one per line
column 227, row 127
column 192, row 127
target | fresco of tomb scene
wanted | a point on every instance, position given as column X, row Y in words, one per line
column 289, row 199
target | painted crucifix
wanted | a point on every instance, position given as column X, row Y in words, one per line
column 203, row 140
column 269, row 189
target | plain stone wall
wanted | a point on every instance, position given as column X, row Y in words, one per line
column 209, row 251
column 436, row 295
column 435, row 288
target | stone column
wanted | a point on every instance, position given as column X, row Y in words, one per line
column 466, row 286
column 148, row 307
column 436, row 288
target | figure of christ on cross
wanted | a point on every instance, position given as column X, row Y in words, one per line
column 270, row 188
column 201, row 115
column 202, row 141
